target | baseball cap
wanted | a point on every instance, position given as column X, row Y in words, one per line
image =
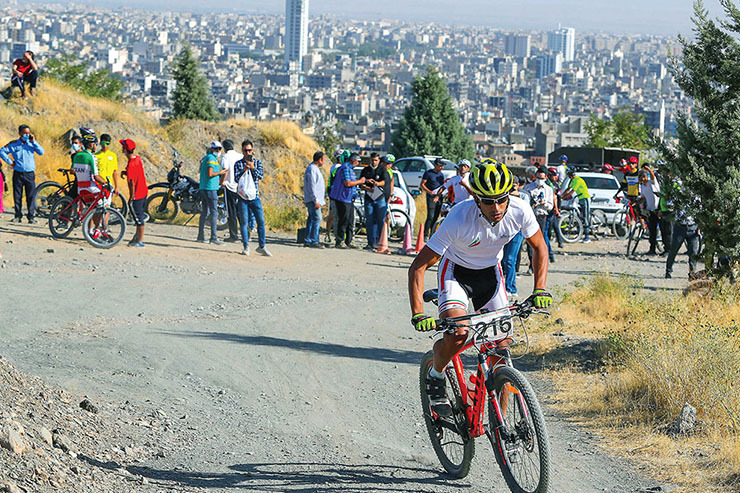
column 215, row 145
column 128, row 144
column 463, row 162
column 354, row 157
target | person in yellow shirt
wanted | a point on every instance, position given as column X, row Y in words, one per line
column 108, row 163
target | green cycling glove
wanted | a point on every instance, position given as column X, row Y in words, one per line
column 423, row 323
column 542, row 299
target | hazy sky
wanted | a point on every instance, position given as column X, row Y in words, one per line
column 663, row 17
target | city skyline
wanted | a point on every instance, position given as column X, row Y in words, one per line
column 660, row 17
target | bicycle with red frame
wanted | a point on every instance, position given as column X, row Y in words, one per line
column 102, row 226
column 516, row 425
column 626, row 218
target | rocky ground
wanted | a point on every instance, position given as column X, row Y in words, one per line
column 213, row 371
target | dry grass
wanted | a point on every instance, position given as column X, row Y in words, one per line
column 660, row 353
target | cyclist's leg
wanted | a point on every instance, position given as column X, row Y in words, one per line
column 452, row 302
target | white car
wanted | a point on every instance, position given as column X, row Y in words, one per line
column 413, row 169
column 401, row 204
column 603, row 187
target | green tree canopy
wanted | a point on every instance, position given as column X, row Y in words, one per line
column 430, row 124
column 706, row 158
column 625, row 129
column 192, row 96
column 76, row 74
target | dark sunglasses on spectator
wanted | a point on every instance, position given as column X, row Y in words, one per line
column 105, row 142
column 497, row 200
column 248, row 149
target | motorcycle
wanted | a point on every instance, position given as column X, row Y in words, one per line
column 183, row 190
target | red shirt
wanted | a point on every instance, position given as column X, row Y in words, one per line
column 22, row 65
column 135, row 176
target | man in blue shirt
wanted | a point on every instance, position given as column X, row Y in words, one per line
column 251, row 207
column 431, row 184
column 343, row 192
column 210, row 181
column 24, row 170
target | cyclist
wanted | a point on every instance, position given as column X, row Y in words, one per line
column 562, row 167
column 85, row 168
column 607, row 169
column 577, row 187
column 470, row 244
column 631, row 181
column 458, row 188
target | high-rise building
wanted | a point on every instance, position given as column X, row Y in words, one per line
column 517, row 45
column 548, row 64
column 563, row 41
column 296, row 32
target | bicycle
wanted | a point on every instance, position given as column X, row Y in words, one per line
column 624, row 220
column 68, row 213
column 48, row 192
column 570, row 224
column 638, row 231
column 516, row 432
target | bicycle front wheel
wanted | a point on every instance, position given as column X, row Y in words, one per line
column 636, row 233
column 62, row 217
column 519, row 438
column 620, row 228
column 450, row 441
column 570, row 226
column 46, row 194
column 104, row 227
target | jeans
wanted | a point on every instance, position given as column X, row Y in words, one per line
column 511, row 252
column 544, row 222
column 690, row 235
column 375, row 212
column 433, row 210
column 585, row 211
column 345, row 229
column 24, row 180
column 253, row 207
column 313, row 222
column 232, row 201
column 209, row 210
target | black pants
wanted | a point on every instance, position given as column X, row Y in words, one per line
column 232, row 201
column 652, row 224
column 24, row 180
column 345, row 228
column 29, row 79
column 666, row 231
column 433, row 210
column 681, row 234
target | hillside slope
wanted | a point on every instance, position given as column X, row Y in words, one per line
column 282, row 146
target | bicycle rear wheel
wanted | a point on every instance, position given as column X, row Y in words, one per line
column 519, row 441
column 62, row 217
column 570, row 226
column 599, row 225
column 620, row 228
column 453, row 447
column 104, row 235
column 46, row 194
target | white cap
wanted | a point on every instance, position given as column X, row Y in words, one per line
column 215, row 145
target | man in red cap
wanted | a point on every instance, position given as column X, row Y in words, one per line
column 137, row 190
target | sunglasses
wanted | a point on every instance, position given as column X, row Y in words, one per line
column 248, row 149
column 492, row 201
column 105, row 143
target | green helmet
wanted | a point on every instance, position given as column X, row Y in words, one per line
column 345, row 156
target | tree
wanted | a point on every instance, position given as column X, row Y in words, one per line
column 328, row 138
column 626, row 130
column 705, row 159
column 192, row 96
column 430, row 124
column 70, row 71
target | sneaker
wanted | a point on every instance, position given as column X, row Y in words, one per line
column 651, row 252
column 133, row 240
column 245, row 251
column 32, row 221
column 138, row 244
column 437, row 392
column 668, row 275
column 201, row 240
column 586, row 240
column 263, row 251
column 341, row 246
column 369, row 248
column 316, row 245
column 96, row 233
column 231, row 240
column 16, row 220
column 352, row 246
column 106, row 236
column 552, row 260
column 216, row 242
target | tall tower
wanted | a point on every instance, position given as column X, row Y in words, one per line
column 296, row 33
column 563, row 41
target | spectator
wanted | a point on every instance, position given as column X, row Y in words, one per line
column 331, row 218
column 513, row 249
column 314, row 189
column 552, row 218
column 376, row 205
column 254, row 206
column 542, row 200
column 24, row 170
column 108, row 163
column 25, row 71
column 137, row 190
column 684, row 230
column 431, row 184
column 649, row 197
column 343, row 192
column 562, row 167
column 577, row 188
column 232, row 198
column 210, row 176
column 387, row 161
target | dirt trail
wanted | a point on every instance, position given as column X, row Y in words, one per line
column 291, row 373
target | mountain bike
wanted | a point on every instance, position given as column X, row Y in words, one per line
column 624, row 220
column 570, row 224
column 516, row 425
column 48, row 192
column 102, row 226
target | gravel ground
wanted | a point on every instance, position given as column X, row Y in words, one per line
column 291, row 373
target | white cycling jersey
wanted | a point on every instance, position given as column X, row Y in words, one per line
column 468, row 239
column 455, row 190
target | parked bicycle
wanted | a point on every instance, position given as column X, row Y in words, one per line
column 572, row 228
column 48, row 192
column 102, row 226
column 516, row 426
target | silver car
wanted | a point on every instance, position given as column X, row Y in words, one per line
column 603, row 187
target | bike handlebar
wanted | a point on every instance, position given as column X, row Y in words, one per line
column 521, row 310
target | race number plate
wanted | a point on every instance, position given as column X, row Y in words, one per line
column 500, row 324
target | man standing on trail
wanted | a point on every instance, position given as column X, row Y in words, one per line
column 253, row 166
column 137, row 190
column 108, row 164
column 431, row 185
column 24, row 170
column 232, row 198
column 376, row 206
column 314, row 190
column 343, row 191
column 210, row 176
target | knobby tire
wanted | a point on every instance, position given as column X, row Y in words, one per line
column 62, row 217
column 45, row 195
